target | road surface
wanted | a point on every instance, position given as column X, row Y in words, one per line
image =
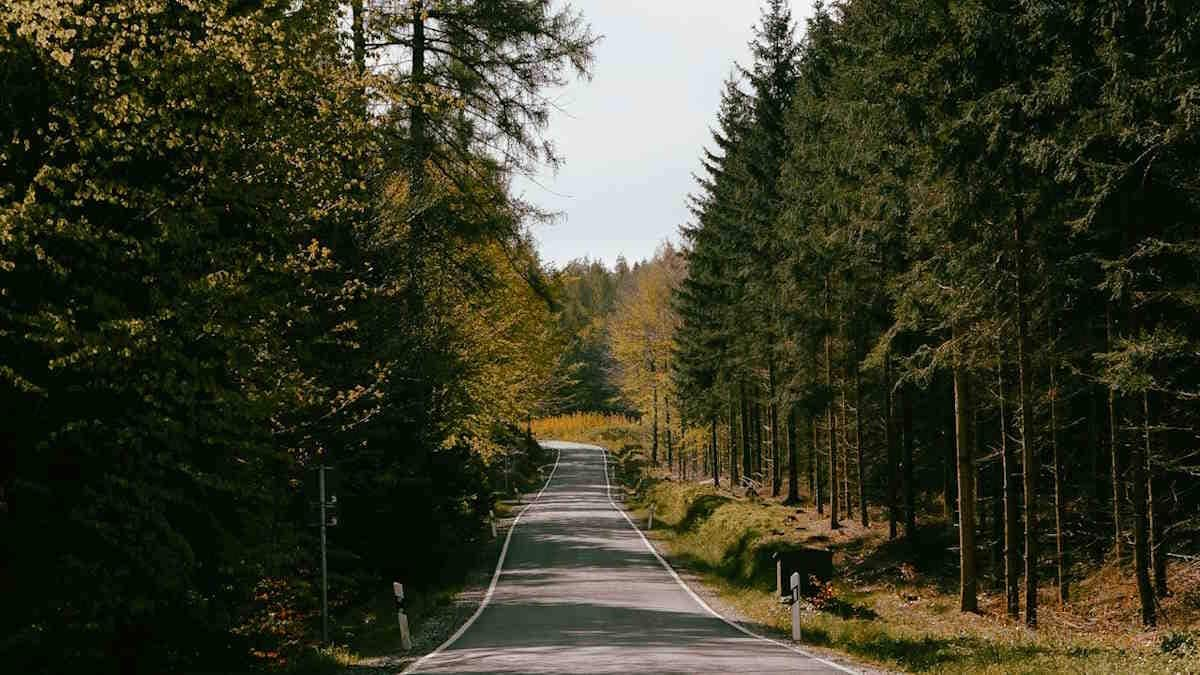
column 579, row 590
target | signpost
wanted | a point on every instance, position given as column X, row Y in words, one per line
column 326, row 518
column 405, row 638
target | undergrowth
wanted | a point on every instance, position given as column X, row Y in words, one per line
column 894, row 603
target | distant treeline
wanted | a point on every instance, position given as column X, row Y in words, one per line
column 946, row 260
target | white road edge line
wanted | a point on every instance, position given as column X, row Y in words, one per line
column 412, row 667
column 690, row 592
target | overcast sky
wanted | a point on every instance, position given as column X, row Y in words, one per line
column 632, row 136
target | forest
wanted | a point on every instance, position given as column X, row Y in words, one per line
column 240, row 239
column 944, row 265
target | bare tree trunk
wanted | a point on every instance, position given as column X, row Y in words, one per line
column 714, row 454
column 793, row 475
column 358, row 37
column 1060, row 502
column 773, row 420
column 844, row 425
column 670, row 445
column 747, row 465
column 1158, row 553
column 1114, row 450
column 1012, row 548
column 893, row 453
column 1028, row 456
column 858, row 444
column 949, row 469
column 814, row 475
column 1141, row 536
column 968, row 600
column 758, row 438
column 733, row 449
column 417, row 118
column 910, row 490
column 834, row 521
column 654, row 426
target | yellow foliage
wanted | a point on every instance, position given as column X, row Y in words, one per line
column 583, row 427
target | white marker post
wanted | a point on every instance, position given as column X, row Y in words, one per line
column 492, row 520
column 650, row 524
column 405, row 638
column 795, row 583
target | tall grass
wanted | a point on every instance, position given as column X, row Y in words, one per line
column 587, row 427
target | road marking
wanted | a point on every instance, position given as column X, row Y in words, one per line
column 690, row 592
column 495, row 576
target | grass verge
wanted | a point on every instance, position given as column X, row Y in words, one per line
column 894, row 603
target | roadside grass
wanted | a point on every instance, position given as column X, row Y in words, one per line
column 368, row 634
column 894, row 603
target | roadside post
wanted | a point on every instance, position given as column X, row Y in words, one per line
column 650, row 524
column 405, row 638
column 795, row 581
column 492, row 521
column 325, row 481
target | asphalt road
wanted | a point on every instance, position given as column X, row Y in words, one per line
column 580, row 591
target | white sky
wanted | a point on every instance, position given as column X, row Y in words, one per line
column 632, row 137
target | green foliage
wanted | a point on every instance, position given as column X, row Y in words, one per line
column 970, row 188
column 210, row 280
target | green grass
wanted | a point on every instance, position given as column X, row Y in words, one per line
column 895, row 604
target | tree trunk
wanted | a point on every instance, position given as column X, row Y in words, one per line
column 747, row 466
column 758, row 437
column 654, row 426
column 416, row 110
column 858, row 444
column 949, row 469
column 733, row 449
column 1012, row 547
column 773, row 420
column 1060, row 501
column 893, row 453
column 359, row 41
column 1114, row 446
column 1158, row 552
column 793, row 476
column 714, row 454
column 910, row 496
column 814, row 474
column 834, row 520
column 1028, row 456
column 844, row 444
column 968, row 600
column 670, row 444
column 1141, row 536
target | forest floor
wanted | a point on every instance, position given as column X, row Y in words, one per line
column 894, row 604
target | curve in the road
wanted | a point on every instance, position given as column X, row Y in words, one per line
column 580, row 589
